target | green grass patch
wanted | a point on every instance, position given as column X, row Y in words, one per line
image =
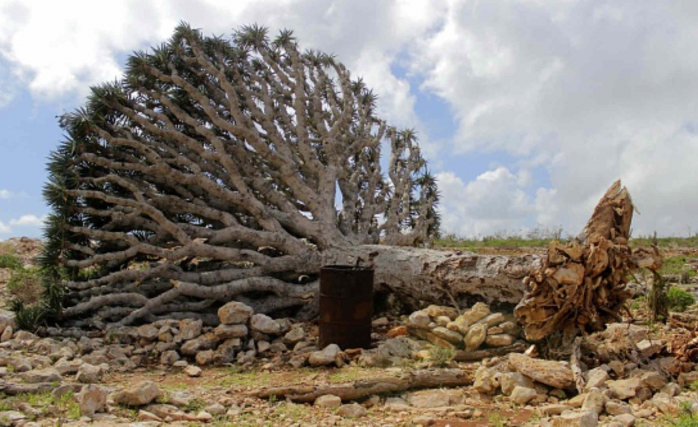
column 678, row 299
column 11, row 262
column 675, row 265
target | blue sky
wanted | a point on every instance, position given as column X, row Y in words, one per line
column 527, row 110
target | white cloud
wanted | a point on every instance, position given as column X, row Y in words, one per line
column 28, row 221
column 495, row 201
column 4, row 229
column 5, row 194
column 592, row 91
column 586, row 91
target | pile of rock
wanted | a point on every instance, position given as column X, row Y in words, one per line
column 475, row 328
column 615, row 393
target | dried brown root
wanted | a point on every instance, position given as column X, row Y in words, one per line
column 581, row 285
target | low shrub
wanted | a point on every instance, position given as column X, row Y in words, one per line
column 10, row 261
column 25, row 286
column 678, row 299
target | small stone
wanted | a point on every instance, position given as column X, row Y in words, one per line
column 653, row 380
column 225, row 332
column 419, row 320
column 448, row 335
column 324, row 356
column 596, row 377
column 193, row 371
column 435, row 311
column 663, row 403
column 624, row 389
column 278, row 347
column 396, row 403
column 522, row 395
column 169, row 357
column 180, row 364
column 475, row 337
column 510, row 380
column 493, row 319
column 11, row 418
column 204, row 342
column 436, row 340
column 45, row 375
column 495, row 330
column 351, row 410
column 617, row 407
column 91, row 399
column 672, row 389
column 148, row 332
column 423, row 420
column 476, row 313
column 263, row 346
column 89, row 374
column 554, row 409
column 204, row 416
column 649, row 348
column 298, row 360
column 234, row 312
column 141, row 393
column 381, row 321
column 499, row 340
column 435, row 398
column 442, row 321
column 509, row 327
column 687, row 378
column 215, row 409
column 295, row 335
column 486, row 380
column 6, row 334
column 617, row 367
column 148, row 416
column 594, row 402
column 328, row 401
column 205, row 357
column 264, row 324
column 575, row 419
column 190, row 329
column 626, row 420
column 398, row 331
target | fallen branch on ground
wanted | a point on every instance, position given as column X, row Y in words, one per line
column 425, row 378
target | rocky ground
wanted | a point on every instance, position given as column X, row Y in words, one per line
column 252, row 370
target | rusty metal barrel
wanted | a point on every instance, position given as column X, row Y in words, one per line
column 346, row 306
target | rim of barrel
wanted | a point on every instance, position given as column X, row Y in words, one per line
column 345, row 267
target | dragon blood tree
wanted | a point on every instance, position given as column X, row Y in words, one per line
column 233, row 169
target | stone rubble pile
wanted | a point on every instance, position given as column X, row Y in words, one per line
column 475, row 328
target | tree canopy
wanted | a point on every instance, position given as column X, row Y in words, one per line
column 222, row 168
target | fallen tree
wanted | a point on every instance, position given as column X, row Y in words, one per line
column 234, row 169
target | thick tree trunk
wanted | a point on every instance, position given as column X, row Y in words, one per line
column 440, row 276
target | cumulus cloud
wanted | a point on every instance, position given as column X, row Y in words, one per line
column 586, row 92
column 28, row 221
column 5, row 194
column 493, row 202
column 593, row 91
column 24, row 222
